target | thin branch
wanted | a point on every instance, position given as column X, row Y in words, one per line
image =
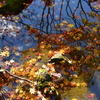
column 17, row 77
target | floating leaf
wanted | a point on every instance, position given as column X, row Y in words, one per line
column 49, row 45
column 61, row 24
column 54, row 5
column 17, row 53
column 5, row 53
column 78, row 84
column 84, row 84
column 16, row 18
column 21, row 69
column 74, row 99
column 12, row 61
column 98, row 67
column 72, row 84
column 65, row 22
column 89, row 57
column 78, row 48
column 32, row 90
column 91, row 95
column 1, row 70
column 70, row 25
column 32, row 61
column 1, row 5
column 94, row 29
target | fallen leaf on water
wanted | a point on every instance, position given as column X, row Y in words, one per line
column 94, row 29
column 91, row 95
column 84, row 84
column 78, row 84
column 98, row 67
column 70, row 25
column 74, row 99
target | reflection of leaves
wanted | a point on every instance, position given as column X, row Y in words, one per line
column 69, row 43
column 32, row 30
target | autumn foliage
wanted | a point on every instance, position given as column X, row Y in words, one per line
column 38, row 78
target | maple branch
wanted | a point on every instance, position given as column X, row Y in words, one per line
column 15, row 76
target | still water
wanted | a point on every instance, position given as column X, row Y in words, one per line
column 43, row 17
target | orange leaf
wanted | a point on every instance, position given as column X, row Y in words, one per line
column 98, row 67
column 6, row 75
column 33, row 30
column 89, row 57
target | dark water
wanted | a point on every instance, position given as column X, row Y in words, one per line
column 41, row 17
column 44, row 18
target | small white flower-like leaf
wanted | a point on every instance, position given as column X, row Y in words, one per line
column 32, row 90
column 2, row 70
column 70, row 61
column 12, row 61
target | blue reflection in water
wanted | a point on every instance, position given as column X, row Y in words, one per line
column 43, row 18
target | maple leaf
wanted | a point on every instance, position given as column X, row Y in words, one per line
column 5, row 53
column 15, row 64
column 32, row 90
column 74, row 99
column 91, row 95
column 84, row 84
column 58, row 75
column 7, row 63
column 98, row 67
column 94, row 29
column 1, row 5
column 16, row 18
column 70, row 25
column 12, row 61
column 32, row 61
column 78, row 84
column 32, row 30
column 61, row 24
column 65, row 22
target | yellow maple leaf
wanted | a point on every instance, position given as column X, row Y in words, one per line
column 74, row 99
column 5, row 53
column 42, row 46
column 54, row 5
column 61, row 51
column 16, row 18
column 32, row 61
column 49, row 45
column 95, row 6
column 1, row 5
column 61, row 24
column 70, row 25
column 65, row 22
column 84, row 84
column 21, row 69
column 94, row 29
column 78, row 84
column 32, row 73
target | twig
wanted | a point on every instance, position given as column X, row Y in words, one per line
column 18, row 77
